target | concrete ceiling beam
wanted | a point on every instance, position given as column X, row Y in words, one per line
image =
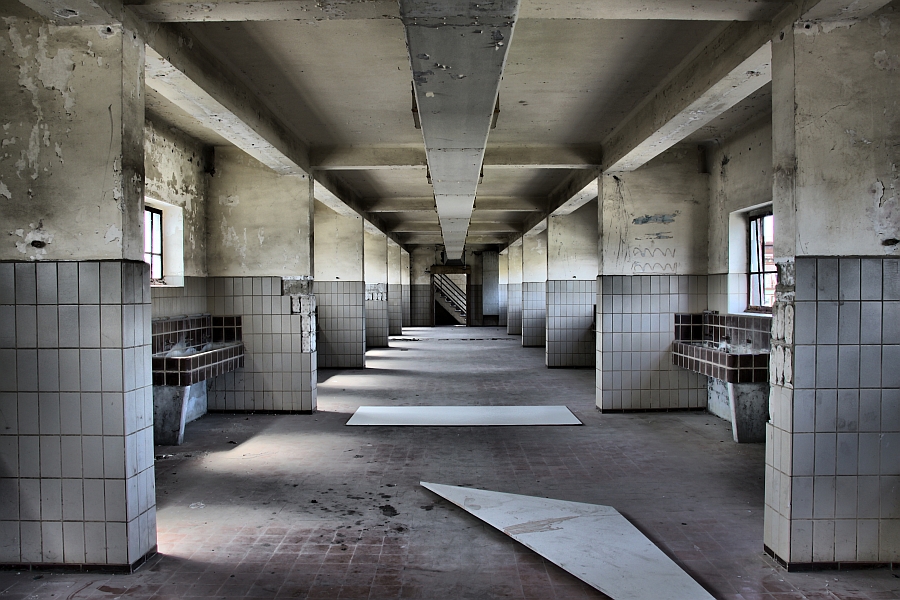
column 729, row 68
column 354, row 158
column 457, row 53
column 734, row 65
column 314, row 10
column 334, row 194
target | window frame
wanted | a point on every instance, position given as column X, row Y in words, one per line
column 148, row 252
column 758, row 250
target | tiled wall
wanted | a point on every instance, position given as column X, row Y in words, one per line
column 833, row 445
column 534, row 314
column 514, row 309
column 188, row 300
column 341, row 338
column 421, row 305
column 727, row 292
column 502, row 294
column 570, row 323
column 635, row 333
column 278, row 375
column 376, row 315
column 76, row 405
column 404, row 291
column 395, row 309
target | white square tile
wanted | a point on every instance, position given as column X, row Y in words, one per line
column 95, row 543
column 30, row 532
column 73, row 500
column 73, row 543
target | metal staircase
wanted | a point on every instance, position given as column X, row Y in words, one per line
column 450, row 297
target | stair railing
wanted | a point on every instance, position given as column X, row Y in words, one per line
column 453, row 293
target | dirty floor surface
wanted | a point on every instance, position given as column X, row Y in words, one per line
column 268, row 506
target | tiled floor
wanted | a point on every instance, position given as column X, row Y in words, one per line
column 261, row 506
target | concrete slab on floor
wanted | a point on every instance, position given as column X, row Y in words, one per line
column 593, row 542
column 463, row 416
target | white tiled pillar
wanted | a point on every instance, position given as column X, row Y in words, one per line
column 339, row 289
column 421, row 299
column 376, row 276
column 404, row 288
column 534, row 287
column 263, row 283
column 833, row 440
column 76, row 407
column 76, row 438
column 503, row 286
column 571, row 287
column 514, row 289
column 394, row 291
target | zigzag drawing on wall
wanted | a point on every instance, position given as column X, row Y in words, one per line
column 653, row 252
column 655, row 267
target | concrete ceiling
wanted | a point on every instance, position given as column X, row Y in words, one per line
column 585, row 86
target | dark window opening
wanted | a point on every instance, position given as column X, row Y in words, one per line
column 762, row 272
column 153, row 243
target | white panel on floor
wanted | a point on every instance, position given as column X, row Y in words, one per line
column 594, row 543
column 463, row 415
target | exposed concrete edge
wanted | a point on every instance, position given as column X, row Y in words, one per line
column 188, row 56
column 182, row 91
column 743, row 80
column 589, row 192
column 343, row 201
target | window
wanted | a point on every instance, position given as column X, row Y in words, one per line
column 153, row 242
column 761, row 270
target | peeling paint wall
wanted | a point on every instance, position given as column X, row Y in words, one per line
column 71, row 151
column 338, row 246
column 175, row 167
column 740, row 177
column 259, row 222
column 654, row 219
column 847, row 127
column 572, row 244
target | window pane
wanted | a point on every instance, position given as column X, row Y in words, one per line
column 157, row 233
column 156, row 267
column 147, row 231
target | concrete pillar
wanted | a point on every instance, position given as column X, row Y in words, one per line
column 502, row 285
column 572, row 287
column 534, row 287
column 340, row 289
column 395, row 294
column 514, row 289
column 832, row 462
column 490, row 280
column 404, row 286
column 376, row 275
column 653, row 262
column 76, row 450
column 421, row 298
column 260, row 260
column 474, row 289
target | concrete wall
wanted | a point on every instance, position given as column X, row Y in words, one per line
column 654, row 219
column 260, row 223
column 64, row 194
column 338, row 245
